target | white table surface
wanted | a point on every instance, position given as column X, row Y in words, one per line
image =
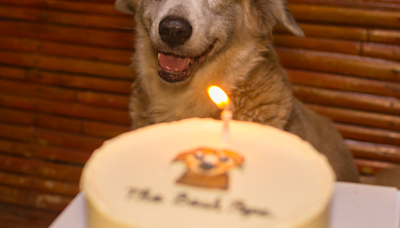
column 352, row 206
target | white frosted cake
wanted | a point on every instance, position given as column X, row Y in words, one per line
column 182, row 174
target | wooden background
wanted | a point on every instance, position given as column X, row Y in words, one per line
column 64, row 87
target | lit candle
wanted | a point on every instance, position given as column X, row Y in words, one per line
column 219, row 97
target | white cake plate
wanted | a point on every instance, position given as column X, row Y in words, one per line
column 352, row 206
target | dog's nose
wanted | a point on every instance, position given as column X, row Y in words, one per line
column 174, row 30
column 206, row 166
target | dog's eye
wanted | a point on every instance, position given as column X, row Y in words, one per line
column 224, row 159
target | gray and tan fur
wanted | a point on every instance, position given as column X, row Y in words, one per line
column 242, row 62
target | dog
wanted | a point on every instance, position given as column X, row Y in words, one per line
column 184, row 46
column 208, row 168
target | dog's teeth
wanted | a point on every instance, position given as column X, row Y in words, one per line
column 159, row 56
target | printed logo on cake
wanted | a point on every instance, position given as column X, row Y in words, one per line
column 208, row 168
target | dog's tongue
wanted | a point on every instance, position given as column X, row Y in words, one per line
column 173, row 62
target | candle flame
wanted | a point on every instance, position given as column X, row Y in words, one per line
column 218, row 96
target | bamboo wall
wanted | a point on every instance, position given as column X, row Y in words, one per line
column 64, row 87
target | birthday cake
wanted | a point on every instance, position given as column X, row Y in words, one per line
column 183, row 174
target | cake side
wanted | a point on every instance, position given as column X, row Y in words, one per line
column 135, row 180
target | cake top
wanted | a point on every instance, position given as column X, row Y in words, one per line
column 180, row 173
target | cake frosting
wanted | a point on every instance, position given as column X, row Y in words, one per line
column 182, row 174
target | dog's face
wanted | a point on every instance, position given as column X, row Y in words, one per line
column 207, row 162
column 186, row 34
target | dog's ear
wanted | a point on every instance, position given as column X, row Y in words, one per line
column 181, row 157
column 273, row 11
column 237, row 159
column 283, row 15
column 124, row 6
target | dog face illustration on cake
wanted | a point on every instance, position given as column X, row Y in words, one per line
column 208, row 168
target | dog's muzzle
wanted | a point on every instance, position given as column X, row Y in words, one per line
column 173, row 68
column 175, row 31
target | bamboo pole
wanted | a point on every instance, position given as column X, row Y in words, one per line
column 104, row 130
column 369, row 167
column 345, row 15
column 40, row 168
column 34, row 199
column 113, row 39
column 79, row 81
column 83, row 7
column 369, row 119
column 368, row 4
column 383, row 51
column 351, row 100
column 66, row 18
column 63, row 49
column 49, row 153
column 37, row 90
column 344, row 82
column 384, row 36
column 67, row 109
column 72, row 125
column 369, row 134
column 34, row 183
column 339, row 63
column 328, row 31
column 12, row 72
column 320, row 44
column 23, row 217
column 65, row 64
column 374, row 151
column 104, row 99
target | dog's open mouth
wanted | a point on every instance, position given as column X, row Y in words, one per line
column 173, row 68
